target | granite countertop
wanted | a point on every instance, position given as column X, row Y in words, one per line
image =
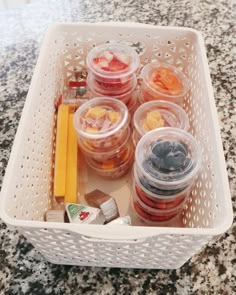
column 22, row 269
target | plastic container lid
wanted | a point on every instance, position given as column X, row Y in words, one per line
column 157, row 197
column 155, row 211
column 107, row 153
column 153, row 220
column 168, row 157
column 171, row 115
column 121, row 167
column 122, row 94
column 97, row 119
column 163, row 87
column 113, row 60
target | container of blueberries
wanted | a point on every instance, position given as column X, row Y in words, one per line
column 167, row 161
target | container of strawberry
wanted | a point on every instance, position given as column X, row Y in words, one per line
column 113, row 66
column 153, row 214
column 120, row 94
column 155, row 198
column 161, row 81
column 156, row 114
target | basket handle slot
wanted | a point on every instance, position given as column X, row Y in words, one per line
column 122, row 241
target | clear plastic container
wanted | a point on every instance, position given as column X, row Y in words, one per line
column 168, row 159
column 115, row 166
column 156, row 200
column 102, row 124
column 152, row 216
column 154, row 210
column 132, row 104
column 113, row 65
column 101, row 155
column 124, row 94
column 162, row 81
column 155, row 114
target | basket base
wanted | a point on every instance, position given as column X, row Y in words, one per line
column 121, row 189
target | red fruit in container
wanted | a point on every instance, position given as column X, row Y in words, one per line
column 123, row 94
column 151, row 217
column 160, row 203
column 113, row 65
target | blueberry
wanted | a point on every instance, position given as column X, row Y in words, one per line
column 161, row 148
column 156, row 161
column 179, row 147
column 174, row 161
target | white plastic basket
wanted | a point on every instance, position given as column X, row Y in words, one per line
column 26, row 190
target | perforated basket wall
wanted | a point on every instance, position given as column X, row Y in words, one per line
column 26, row 188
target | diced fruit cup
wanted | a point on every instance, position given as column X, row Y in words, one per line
column 152, row 214
column 115, row 166
column 162, row 81
column 168, row 159
column 105, row 154
column 113, row 65
column 154, row 219
column 156, row 114
column 101, row 124
column 122, row 94
column 158, row 201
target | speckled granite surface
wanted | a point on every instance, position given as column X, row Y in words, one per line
column 22, row 269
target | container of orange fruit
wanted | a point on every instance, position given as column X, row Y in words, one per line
column 102, row 127
column 156, row 114
column 162, row 81
column 113, row 166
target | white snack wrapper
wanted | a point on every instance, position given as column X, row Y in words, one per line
column 121, row 221
column 109, row 209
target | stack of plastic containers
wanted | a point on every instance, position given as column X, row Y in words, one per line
column 162, row 81
column 112, row 72
column 167, row 161
column 155, row 114
column 104, row 136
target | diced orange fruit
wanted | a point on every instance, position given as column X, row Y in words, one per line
column 166, row 79
column 96, row 113
column 113, row 116
column 153, row 120
column 108, row 165
column 125, row 155
column 91, row 129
